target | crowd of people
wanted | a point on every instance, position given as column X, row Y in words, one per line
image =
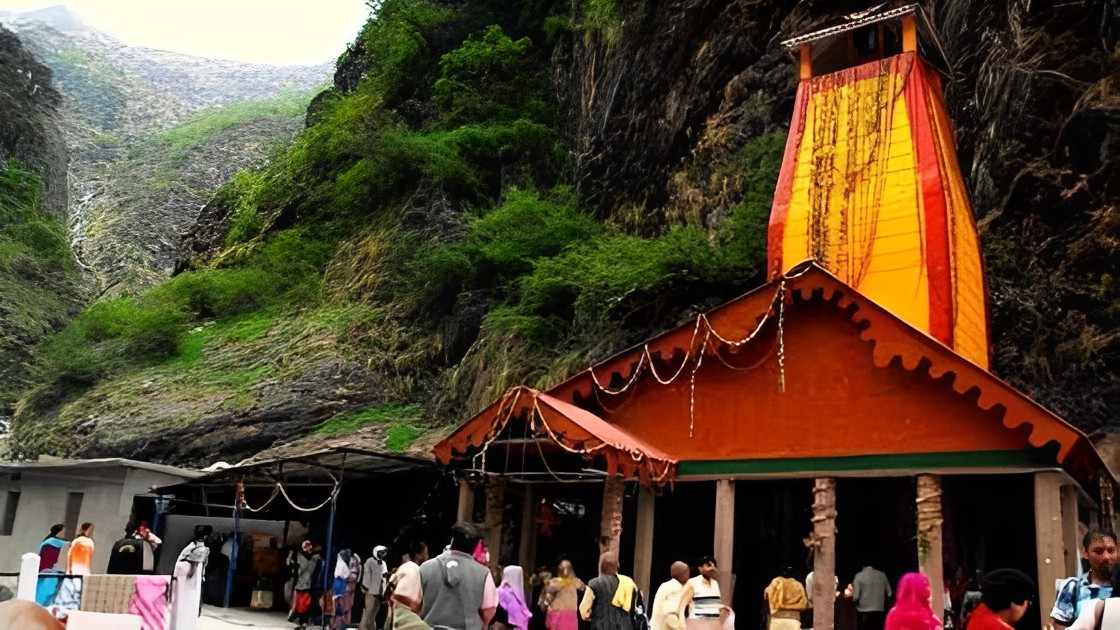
column 455, row 590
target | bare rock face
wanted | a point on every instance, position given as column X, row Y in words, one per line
column 29, row 126
column 132, row 196
column 35, row 299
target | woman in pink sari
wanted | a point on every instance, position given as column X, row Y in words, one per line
column 512, row 609
column 912, row 609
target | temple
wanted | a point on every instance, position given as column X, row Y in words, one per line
column 843, row 414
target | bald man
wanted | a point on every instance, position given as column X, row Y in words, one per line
column 665, row 614
column 16, row 613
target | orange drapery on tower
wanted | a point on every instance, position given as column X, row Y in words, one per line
column 871, row 189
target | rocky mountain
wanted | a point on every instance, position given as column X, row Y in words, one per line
column 133, row 195
column 38, row 279
column 494, row 193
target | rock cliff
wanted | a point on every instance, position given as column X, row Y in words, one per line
column 38, row 281
column 495, row 193
column 134, row 193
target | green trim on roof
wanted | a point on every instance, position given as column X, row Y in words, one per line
column 966, row 459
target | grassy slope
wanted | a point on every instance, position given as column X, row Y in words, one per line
column 422, row 234
column 38, row 280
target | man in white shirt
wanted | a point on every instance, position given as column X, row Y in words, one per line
column 373, row 585
column 665, row 614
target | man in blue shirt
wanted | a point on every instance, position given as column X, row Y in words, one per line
column 1099, row 548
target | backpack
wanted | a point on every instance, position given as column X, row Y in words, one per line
column 638, row 618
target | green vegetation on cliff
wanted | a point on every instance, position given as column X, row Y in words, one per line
column 423, row 236
column 37, row 275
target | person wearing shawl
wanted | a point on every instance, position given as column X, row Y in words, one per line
column 912, row 609
column 51, row 547
column 785, row 599
column 346, row 572
column 513, row 613
column 560, row 599
column 609, row 598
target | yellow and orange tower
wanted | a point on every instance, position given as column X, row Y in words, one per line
column 870, row 187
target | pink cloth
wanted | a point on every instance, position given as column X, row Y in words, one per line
column 562, row 620
column 511, row 597
column 149, row 602
column 912, row 609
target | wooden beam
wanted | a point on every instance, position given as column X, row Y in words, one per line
column 643, row 541
column 495, row 517
column 527, row 548
column 1048, row 539
column 824, row 553
column 724, row 543
column 929, row 537
column 610, row 523
column 1072, row 546
column 805, row 68
column 909, row 33
column 465, row 512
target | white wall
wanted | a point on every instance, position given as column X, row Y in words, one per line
column 107, row 503
column 178, row 529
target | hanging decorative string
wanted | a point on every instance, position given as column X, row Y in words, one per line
column 694, row 353
column 278, row 490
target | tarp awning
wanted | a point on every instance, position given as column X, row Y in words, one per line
column 571, row 428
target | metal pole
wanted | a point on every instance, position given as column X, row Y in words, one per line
column 328, row 566
column 237, row 499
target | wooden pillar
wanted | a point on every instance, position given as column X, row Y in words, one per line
column 824, row 553
column 724, row 547
column 1072, row 546
column 929, row 538
column 610, row 525
column 495, row 515
column 909, row 33
column 465, row 512
column 1048, row 539
column 527, row 549
column 805, row 68
column 643, row 541
column 1108, row 512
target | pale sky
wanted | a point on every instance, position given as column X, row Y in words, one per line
column 260, row 31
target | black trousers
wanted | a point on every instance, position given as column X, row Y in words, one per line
column 870, row 620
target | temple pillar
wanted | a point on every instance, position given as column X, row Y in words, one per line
column 805, row 67
column 724, row 543
column 465, row 513
column 643, row 541
column 909, row 33
column 527, row 547
column 824, row 553
column 495, row 516
column 929, row 538
column 1069, row 530
column 610, row 525
column 1048, row 539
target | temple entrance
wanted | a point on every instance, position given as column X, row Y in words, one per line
column 566, row 518
column 772, row 519
column 989, row 524
column 684, row 524
column 876, row 525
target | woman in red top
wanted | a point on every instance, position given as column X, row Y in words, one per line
column 1006, row 597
